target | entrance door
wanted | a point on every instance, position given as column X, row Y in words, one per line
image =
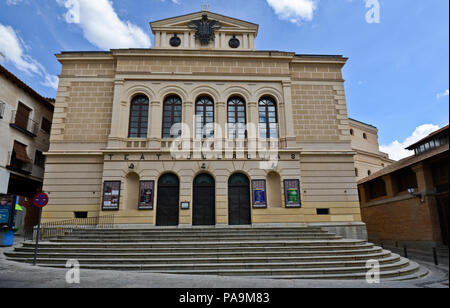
column 239, row 200
column 204, row 204
column 167, row 210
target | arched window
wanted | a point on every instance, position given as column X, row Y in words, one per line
column 352, row 132
column 268, row 121
column 204, row 118
column 237, row 119
column 171, row 116
column 139, row 117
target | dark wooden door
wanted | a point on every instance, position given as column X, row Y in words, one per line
column 167, row 212
column 239, row 212
column 204, row 201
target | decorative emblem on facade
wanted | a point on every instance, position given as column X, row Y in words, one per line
column 234, row 42
column 205, row 29
column 175, row 41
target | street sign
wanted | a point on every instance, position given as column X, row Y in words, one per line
column 40, row 200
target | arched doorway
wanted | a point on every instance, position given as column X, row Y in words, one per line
column 167, row 211
column 239, row 212
column 204, row 201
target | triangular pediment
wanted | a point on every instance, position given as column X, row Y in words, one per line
column 181, row 23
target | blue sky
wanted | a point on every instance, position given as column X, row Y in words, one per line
column 397, row 76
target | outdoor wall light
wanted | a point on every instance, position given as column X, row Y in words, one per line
column 412, row 192
column 131, row 166
column 203, row 166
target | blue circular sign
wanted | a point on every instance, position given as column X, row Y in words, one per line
column 40, row 200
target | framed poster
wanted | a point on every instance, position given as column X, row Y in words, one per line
column 292, row 193
column 111, row 196
column 259, row 194
column 146, row 189
column 185, row 205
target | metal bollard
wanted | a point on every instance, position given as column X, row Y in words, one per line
column 436, row 262
column 405, row 249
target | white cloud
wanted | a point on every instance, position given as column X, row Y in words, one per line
column 294, row 10
column 396, row 149
column 443, row 94
column 102, row 26
column 13, row 2
column 12, row 50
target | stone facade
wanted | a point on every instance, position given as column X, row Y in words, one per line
column 90, row 142
column 369, row 159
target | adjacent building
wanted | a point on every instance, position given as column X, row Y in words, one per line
column 408, row 201
column 203, row 129
column 25, row 125
column 368, row 159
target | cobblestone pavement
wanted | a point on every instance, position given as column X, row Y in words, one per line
column 18, row 275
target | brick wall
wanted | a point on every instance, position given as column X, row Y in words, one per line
column 405, row 220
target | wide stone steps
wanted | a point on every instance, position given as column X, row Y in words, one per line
column 203, row 244
column 253, row 252
column 99, row 254
column 198, row 259
column 215, row 265
column 187, row 239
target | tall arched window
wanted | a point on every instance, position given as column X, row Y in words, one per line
column 237, row 119
column 268, row 120
column 172, row 116
column 139, row 117
column 204, row 118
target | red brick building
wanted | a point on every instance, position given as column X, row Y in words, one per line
column 408, row 201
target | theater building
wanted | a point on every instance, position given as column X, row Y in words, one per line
column 203, row 130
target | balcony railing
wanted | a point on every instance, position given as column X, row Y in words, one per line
column 24, row 124
column 18, row 165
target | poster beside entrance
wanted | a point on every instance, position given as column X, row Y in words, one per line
column 111, row 196
column 259, row 193
column 146, row 195
column 292, row 193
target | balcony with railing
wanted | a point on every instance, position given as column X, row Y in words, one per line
column 19, row 164
column 23, row 123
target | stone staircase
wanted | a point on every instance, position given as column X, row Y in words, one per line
column 261, row 252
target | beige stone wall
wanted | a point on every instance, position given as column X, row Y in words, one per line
column 87, row 109
column 319, row 112
column 328, row 182
column 196, row 65
column 316, row 71
column 73, row 183
column 369, row 158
